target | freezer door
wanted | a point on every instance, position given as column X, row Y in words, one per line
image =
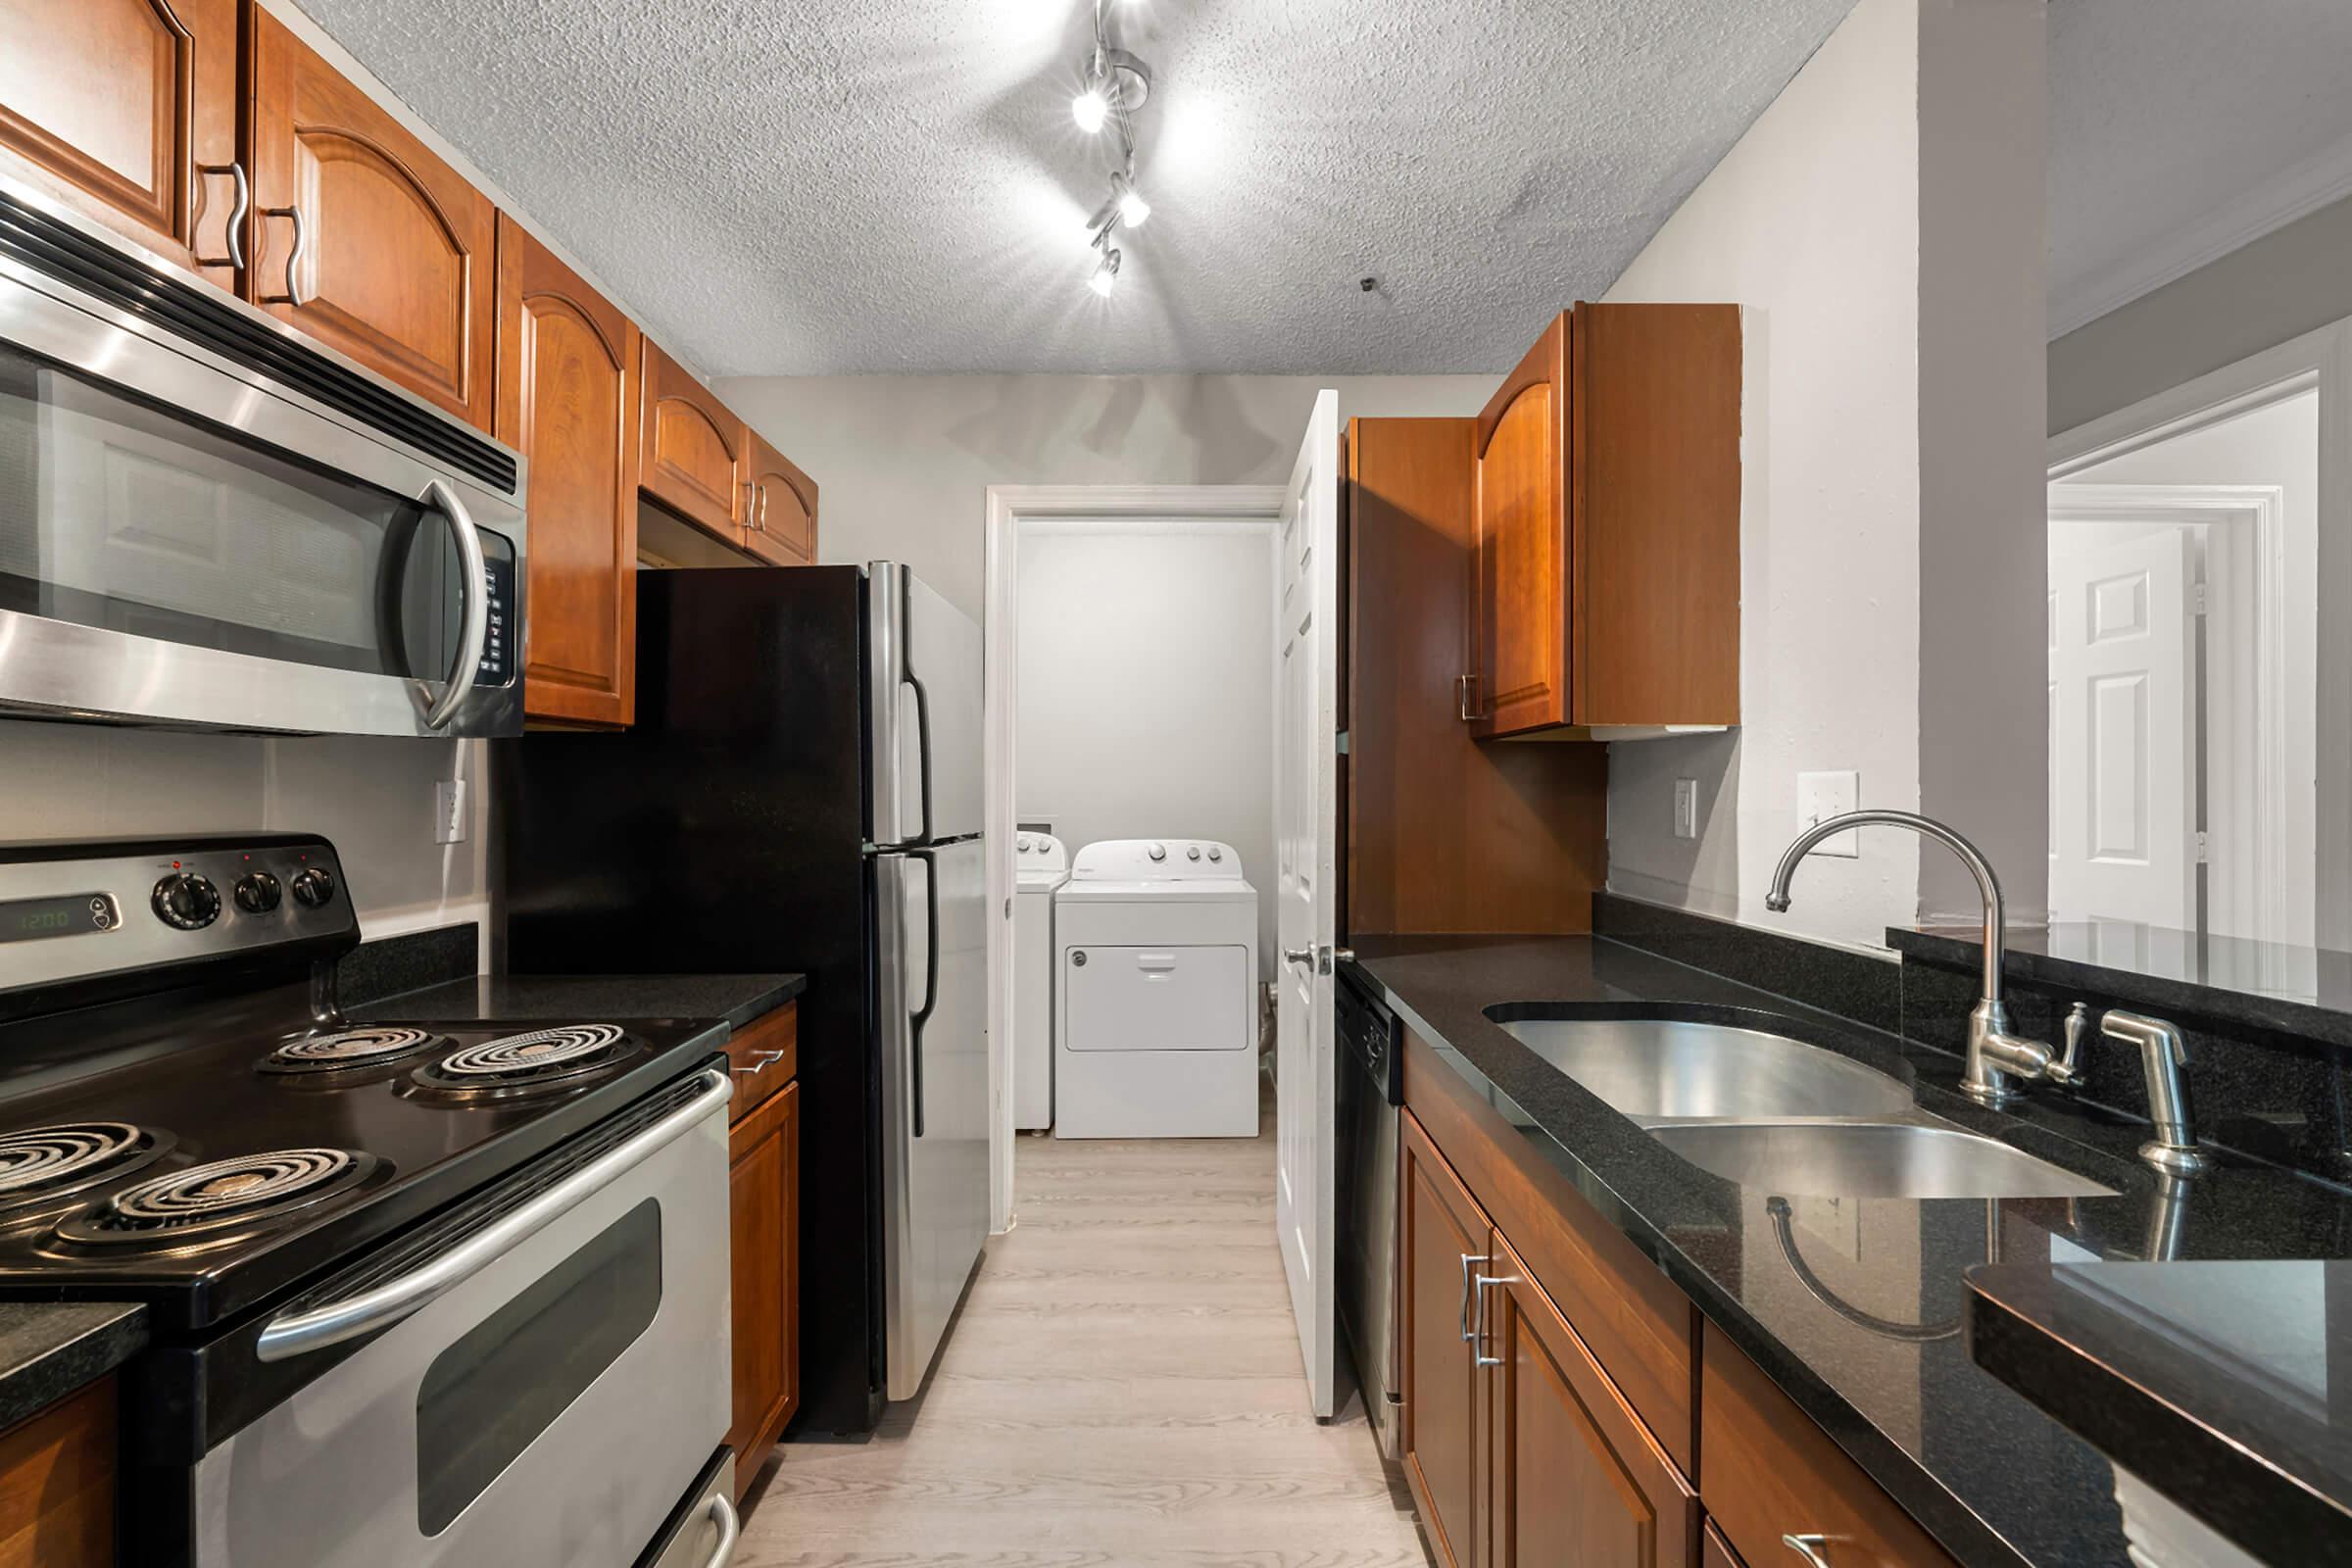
column 923, row 667
column 932, row 929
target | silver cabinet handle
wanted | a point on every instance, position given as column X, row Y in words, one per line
column 1461, row 696
column 302, row 243
column 762, row 508
column 292, row 1334
column 730, row 1531
column 1810, row 1548
column 1480, row 1284
column 473, row 600
column 237, row 215
column 767, row 1060
column 1463, row 1315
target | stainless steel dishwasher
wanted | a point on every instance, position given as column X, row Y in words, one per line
column 1371, row 1089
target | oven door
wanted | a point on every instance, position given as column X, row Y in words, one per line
column 187, row 540
column 548, row 1410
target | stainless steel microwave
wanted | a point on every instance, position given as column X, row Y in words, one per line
column 207, row 521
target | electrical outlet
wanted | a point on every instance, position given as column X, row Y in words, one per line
column 449, row 811
column 1820, row 796
column 1685, row 807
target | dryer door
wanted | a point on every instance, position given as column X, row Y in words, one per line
column 1158, row 999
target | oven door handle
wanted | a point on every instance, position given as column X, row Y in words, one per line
column 293, row 1334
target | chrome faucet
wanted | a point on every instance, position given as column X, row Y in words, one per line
column 1995, row 1054
column 2163, row 1052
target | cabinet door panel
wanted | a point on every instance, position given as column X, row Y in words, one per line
column 122, row 107
column 781, row 526
column 763, row 1240
column 568, row 368
column 1520, row 521
column 1578, row 1482
column 694, row 459
column 396, row 269
column 1441, row 1226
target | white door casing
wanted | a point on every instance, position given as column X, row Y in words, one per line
column 1306, row 850
column 2123, row 731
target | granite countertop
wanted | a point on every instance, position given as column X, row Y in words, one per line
column 2299, row 990
column 737, row 999
column 1882, row 1366
column 49, row 1349
column 2228, row 1387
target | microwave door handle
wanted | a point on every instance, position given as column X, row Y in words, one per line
column 922, row 1015
column 300, row 1331
column 473, row 601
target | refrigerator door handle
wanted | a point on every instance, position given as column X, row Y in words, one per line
column 922, row 743
column 922, row 1015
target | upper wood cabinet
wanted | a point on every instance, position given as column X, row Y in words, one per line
column 781, row 524
column 127, row 109
column 567, row 380
column 1605, row 508
column 694, row 451
column 396, row 249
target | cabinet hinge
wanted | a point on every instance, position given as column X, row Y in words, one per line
column 1343, row 743
column 2198, row 600
column 2204, row 848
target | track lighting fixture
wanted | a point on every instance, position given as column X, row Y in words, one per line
column 1114, row 86
column 1106, row 274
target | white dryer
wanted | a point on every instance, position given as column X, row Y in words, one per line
column 1156, row 981
column 1041, row 866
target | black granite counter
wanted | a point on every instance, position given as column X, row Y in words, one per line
column 738, row 998
column 49, row 1349
column 1854, row 1305
column 2228, row 1387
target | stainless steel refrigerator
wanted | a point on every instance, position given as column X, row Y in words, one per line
column 801, row 792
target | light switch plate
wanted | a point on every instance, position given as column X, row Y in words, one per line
column 1826, row 794
column 1685, row 807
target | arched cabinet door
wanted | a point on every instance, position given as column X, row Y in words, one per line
column 693, row 451
column 781, row 527
column 1518, row 678
column 568, row 368
column 127, row 111
column 395, row 266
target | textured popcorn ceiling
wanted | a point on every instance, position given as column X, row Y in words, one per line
column 805, row 186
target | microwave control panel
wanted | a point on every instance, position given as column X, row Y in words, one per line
column 497, row 667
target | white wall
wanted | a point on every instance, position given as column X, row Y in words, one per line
column 1814, row 224
column 1146, row 680
column 904, row 463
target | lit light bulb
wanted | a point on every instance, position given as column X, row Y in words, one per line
column 1090, row 109
column 1133, row 209
column 1106, row 275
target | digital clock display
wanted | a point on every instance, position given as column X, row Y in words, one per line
column 69, row 915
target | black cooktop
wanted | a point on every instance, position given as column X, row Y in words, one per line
column 207, row 1156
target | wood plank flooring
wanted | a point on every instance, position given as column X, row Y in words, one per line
column 1123, row 1387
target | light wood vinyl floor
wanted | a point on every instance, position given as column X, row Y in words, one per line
column 1122, row 1387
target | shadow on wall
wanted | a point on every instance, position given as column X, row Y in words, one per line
column 1646, row 859
column 1020, row 428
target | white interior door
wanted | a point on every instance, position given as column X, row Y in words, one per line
column 1307, row 852
column 2123, row 729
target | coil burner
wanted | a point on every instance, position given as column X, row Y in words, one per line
column 350, row 1049
column 235, row 1194
column 541, row 1061
column 42, row 1165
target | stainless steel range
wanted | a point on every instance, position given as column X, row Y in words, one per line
column 454, row 1295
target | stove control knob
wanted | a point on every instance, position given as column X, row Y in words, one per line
column 187, row 901
column 315, row 889
column 257, row 893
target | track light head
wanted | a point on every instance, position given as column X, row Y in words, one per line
column 1115, row 82
column 1106, row 274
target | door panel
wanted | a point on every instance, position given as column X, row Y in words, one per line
column 1161, row 998
column 763, row 1240
column 1520, row 531
column 1307, row 852
column 781, row 526
column 396, row 269
column 693, row 457
column 567, row 369
column 129, row 108
column 1443, row 1238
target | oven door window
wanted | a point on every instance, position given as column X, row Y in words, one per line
column 488, row 1396
column 125, row 515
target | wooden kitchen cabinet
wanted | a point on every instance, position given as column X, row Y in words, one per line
column 397, row 250
column 57, row 1483
column 567, row 380
column 763, row 1148
column 780, row 526
column 127, row 111
column 694, row 451
column 1605, row 524
column 1443, row 1237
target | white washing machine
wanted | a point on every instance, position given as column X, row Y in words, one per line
column 1041, row 866
column 1154, row 992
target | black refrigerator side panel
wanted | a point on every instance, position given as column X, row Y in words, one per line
column 722, row 834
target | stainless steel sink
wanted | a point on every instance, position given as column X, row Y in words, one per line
column 1870, row 1160
column 1661, row 1068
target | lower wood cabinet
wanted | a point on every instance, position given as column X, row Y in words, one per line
column 1444, row 1237
column 57, row 1483
column 763, row 1148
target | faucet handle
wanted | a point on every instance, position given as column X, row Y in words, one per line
column 2066, row 1069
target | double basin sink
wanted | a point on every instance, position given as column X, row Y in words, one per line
column 1769, row 1112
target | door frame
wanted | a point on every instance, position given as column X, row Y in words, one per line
column 2320, row 360
column 2252, row 879
column 1008, row 507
